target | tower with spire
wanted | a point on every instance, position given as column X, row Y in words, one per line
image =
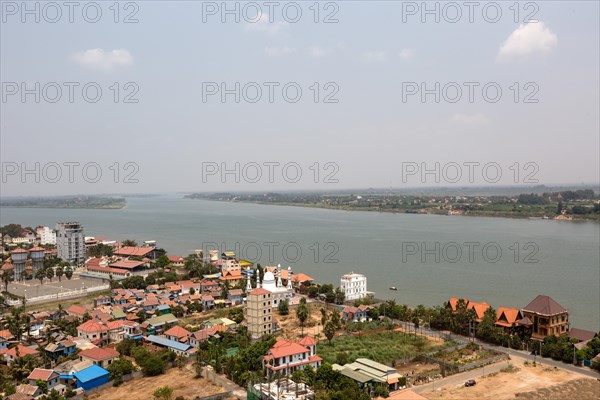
column 248, row 283
column 279, row 284
column 289, row 280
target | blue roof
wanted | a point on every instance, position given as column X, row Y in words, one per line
column 90, row 373
column 168, row 343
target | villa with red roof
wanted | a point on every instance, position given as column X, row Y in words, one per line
column 51, row 377
column 93, row 330
column 19, row 351
column 178, row 334
column 102, row 357
column 287, row 357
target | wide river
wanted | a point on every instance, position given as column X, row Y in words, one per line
column 506, row 262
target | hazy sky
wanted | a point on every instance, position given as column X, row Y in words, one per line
column 376, row 60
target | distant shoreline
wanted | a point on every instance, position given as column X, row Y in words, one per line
column 403, row 211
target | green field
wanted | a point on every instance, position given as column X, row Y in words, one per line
column 382, row 347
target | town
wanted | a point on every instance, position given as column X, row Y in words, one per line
column 96, row 318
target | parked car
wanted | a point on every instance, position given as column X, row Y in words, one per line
column 470, row 382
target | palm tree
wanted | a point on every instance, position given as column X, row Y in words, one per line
column 7, row 276
column 302, row 313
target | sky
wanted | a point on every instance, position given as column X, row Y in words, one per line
column 191, row 96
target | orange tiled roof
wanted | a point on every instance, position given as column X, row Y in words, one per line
column 98, row 353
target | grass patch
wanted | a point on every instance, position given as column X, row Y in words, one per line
column 381, row 347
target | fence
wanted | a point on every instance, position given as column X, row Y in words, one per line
column 70, row 294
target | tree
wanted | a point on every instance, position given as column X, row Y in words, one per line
column 129, row 243
column 323, row 316
column 298, row 376
column 7, row 276
column 283, row 307
column 43, row 385
column 119, row 368
column 40, row 274
column 162, row 261
column 59, row 273
column 50, row 273
column 329, row 331
column 486, row 329
column 163, row 393
column 69, row 273
column 302, row 313
column 192, row 291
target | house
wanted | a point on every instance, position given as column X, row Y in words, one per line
column 178, row 334
column 581, row 335
column 64, row 347
column 232, row 277
column 19, row 351
column 453, row 302
column 131, row 330
column 186, row 286
column 26, row 391
column 207, row 301
column 176, row 347
column 355, row 314
column 287, row 357
column 207, row 284
column 128, row 266
column 99, row 356
column 157, row 324
column 177, row 261
column 51, row 377
column 76, row 311
column 94, row 331
column 235, row 296
column 368, row 372
column 102, row 301
column 200, row 336
column 91, row 377
column 479, row 309
column 508, row 318
column 548, row 317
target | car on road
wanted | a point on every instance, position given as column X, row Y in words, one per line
column 470, row 382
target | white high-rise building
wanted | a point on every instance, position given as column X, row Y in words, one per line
column 70, row 242
column 354, row 286
column 47, row 235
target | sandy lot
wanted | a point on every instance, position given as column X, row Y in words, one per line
column 291, row 328
column 506, row 385
column 181, row 380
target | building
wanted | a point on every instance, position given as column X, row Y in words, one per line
column 37, row 255
column 178, row 348
column 70, row 242
column 548, row 317
column 508, row 318
column 19, row 258
column 99, row 356
column 287, row 357
column 274, row 284
column 282, row 389
column 259, row 313
column 91, row 377
column 19, row 351
column 51, row 377
column 368, row 372
column 130, row 251
column 46, row 235
column 354, row 286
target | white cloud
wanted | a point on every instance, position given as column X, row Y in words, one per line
column 469, row 120
column 527, row 39
column 263, row 24
column 316, row 51
column 275, row 51
column 375, row 56
column 100, row 59
column 407, row 54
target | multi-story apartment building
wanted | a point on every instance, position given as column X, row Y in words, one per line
column 259, row 313
column 354, row 286
column 70, row 242
column 47, row 235
column 287, row 357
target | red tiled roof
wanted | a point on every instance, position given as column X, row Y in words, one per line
column 18, row 251
column 581, row 334
column 175, row 258
column 126, row 264
column 133, row 251
column 283, row 348
column 544, row 305
column 36, row 248
column 307, row 341
column 106, row 269
column 98, row 353
column 177, row 331
column 512, row 315
column 75, row 309
column 41, row 373
column 23, row 351
column 259, row 291
column 92, row 326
